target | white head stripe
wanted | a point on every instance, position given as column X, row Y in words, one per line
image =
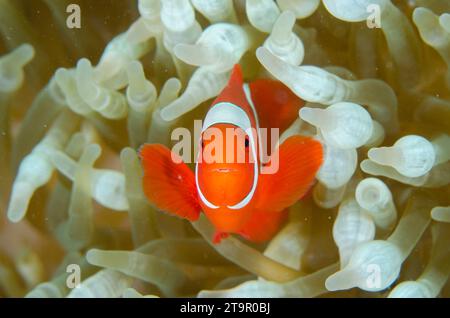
column 248, row 95
column 228, row 113
column 249, row 196
column 200, row 193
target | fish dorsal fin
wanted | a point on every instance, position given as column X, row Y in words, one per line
column 277, row 106
column 234, row 91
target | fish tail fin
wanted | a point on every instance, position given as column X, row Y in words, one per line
column 263, row 225
column 219, row 236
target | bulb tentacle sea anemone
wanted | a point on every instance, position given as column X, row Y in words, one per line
column 84, row 91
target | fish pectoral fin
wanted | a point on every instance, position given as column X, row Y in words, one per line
column 294, row 167
column 168, row 182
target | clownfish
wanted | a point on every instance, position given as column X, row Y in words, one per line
column 234, row 194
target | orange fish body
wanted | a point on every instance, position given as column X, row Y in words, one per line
column 228, row 183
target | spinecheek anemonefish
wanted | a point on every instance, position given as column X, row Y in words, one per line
column 234, row 195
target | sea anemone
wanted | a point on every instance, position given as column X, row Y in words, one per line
column 84, row 83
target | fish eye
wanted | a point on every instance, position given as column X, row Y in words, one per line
column 247, row 142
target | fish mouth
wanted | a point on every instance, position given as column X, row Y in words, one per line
column 224, row 170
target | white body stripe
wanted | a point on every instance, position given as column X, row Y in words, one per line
column 228, row 113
